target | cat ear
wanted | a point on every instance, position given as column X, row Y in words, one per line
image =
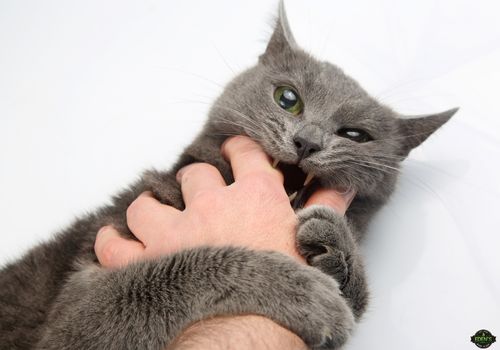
column 282, row 41
column 415, row 130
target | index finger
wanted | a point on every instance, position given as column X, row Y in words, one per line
column 248, row 158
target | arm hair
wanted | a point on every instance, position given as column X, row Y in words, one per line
column 246, row 332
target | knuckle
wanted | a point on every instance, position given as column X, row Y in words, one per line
column 107, row 253
column 264, row 185
column 199, row 168
column 262, row 181
column 204, row 199
column 238, row 141
column 134, row 209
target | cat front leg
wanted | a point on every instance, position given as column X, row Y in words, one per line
column 148, row 304
column 326, row 241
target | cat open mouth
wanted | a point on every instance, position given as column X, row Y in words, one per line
column 298, row 185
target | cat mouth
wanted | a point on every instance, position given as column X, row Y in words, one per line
column 298, row 185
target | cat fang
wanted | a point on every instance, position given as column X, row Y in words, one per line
column 297, row 183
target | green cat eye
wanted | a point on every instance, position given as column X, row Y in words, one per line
column 288, row 99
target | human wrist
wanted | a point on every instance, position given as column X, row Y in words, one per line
column 245, row 332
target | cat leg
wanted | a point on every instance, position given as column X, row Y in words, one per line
column 326, row 241
column 148, row 304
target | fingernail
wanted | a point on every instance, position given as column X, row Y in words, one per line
column 224, row 144
column 102, row 229
column 179, row 174
column 348, row 194
column 223, row 147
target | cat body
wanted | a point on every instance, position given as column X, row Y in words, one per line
column 58, row 297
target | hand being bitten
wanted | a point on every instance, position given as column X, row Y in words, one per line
column 253, row 212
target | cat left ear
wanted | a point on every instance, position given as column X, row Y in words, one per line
column 416, row 130
column 282, row 40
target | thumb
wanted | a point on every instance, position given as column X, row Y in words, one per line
column 339, row 201
column 113, row 250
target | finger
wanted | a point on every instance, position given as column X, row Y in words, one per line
column 197, row 178
column 248, row 158
column 112, row 250
column 337, row 200
column 146, row 216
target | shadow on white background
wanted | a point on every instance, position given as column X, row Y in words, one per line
column 92, row 93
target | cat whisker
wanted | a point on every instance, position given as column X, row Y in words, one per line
column 420, row 184
column 398, row 159
column 223, row 58
column 196, row 75
column 425, row 132
column 240, row 114
column 381, row 165
column 252, row 127
column 365, row 174
column 375, row 167
column 227, row 134
column 384, row 95
column 185, row 101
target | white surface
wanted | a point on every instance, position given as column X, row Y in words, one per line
column 92, row 92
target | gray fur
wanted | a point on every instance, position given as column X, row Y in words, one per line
column 145, row 307
column 325, row 239
column 57, row 296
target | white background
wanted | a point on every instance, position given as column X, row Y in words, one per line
column 93, row 92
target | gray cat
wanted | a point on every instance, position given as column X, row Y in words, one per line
column 312, row 119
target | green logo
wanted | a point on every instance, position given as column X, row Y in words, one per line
column 483, row 339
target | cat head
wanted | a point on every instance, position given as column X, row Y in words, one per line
column 312, row 118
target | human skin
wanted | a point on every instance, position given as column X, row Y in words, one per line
column 253, row 212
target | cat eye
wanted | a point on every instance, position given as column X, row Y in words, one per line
column 356, row 135
column 288, row 99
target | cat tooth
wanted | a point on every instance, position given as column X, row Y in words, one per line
column 308, row 179
column 275, row 163
column 292, row 196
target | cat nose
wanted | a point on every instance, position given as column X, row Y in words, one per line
column 305, row 147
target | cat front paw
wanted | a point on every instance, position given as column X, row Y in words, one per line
column 164, row 186
column 326, row 242
column 324, row 239
column 310, row 303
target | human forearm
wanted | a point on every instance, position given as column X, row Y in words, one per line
column 246, row 332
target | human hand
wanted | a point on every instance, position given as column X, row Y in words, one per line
column 253, row 212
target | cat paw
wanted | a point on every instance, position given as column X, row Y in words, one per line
column 164, row 187
column 321, row 316
column 325, row 240
column 299, row 297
